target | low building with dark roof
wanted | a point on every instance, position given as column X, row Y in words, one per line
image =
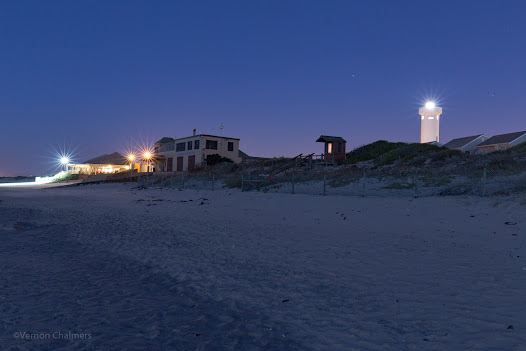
column 467, row 144
column 334, row 149
column 107, row 163
column 502, row 142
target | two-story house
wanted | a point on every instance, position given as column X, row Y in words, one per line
column 184, row 154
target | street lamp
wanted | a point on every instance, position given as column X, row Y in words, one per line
column 148, row 157
column 64, row 160
column 131, row 157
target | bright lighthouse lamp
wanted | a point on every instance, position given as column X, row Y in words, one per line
column 430, row 105
column 64, row 160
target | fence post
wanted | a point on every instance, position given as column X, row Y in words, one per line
column 172, row 182
column 363, row 186
column 416, row 186
column 213, row 182
column 162, row 181
column 324, row 184
column 484, row 175
column 183, row 181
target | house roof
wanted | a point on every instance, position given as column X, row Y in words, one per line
column 208, row 135
column 325, row 138
column 461, row 142
column 165, row 140
column 111, row 159
column 502, row 138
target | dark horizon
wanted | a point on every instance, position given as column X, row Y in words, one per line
column 95, row 76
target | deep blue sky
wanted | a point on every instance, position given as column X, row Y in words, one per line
column 93, row 75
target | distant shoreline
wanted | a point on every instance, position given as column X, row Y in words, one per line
column 16, row 179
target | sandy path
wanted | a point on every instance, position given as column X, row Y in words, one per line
column 282, row 271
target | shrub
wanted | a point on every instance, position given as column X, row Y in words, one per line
column 407, row 152
column 214, row 159
column 371, row 151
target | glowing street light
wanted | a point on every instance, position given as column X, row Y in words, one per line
column 64, row 161
column 148, row 158
column 131, row 157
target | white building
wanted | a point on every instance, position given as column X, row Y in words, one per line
column 185, row 154
column 430, row 122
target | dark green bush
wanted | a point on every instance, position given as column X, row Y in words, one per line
column 214, row 159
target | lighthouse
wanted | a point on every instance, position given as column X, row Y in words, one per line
column 430, row 120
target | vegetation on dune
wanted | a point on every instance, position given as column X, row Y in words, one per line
column 408, row 152
column 383, row 153
column 215, row 159
column 372, row 151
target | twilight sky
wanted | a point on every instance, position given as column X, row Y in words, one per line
column 96, row 76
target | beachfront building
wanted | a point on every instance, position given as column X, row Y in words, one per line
column 334, row 148
column 502, row 142
column 467, row 144
column 185, row 154
column 109, row 163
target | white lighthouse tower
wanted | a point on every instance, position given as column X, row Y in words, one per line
column 430, row 115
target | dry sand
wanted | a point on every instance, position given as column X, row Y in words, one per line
column 163, row 269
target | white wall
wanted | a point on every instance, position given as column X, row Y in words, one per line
column 201, row 153
column 472, row 146
column 518, row 141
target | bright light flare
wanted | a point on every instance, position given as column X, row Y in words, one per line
column 145, row 152
column 430, row 105
column 131, row 157
column 62, row 157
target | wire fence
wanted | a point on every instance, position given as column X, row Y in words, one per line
column 484, row 182
column 204, row 182
column 480, row 182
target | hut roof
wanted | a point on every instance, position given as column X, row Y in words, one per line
column 325, row 138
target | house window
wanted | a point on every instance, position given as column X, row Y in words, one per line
column 196, row 144
column 180, row 147
column 211, row 144
column 230, row 146
column 164, row 148
column 190, row 145
column 329, row 148
column 340, row 148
